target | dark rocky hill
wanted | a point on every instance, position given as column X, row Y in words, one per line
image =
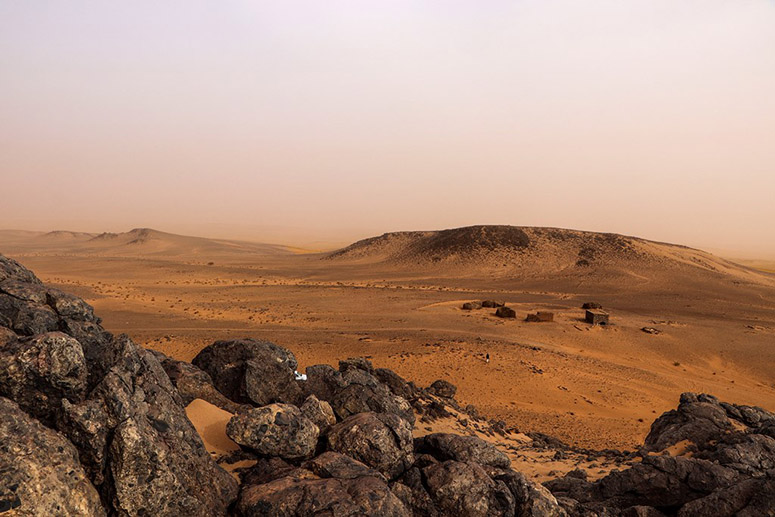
column 92, row 424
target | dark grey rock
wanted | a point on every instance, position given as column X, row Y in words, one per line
column 442, row 388
column 250, row 371
column 275, row 430
column 382, row 441
column 445, row 446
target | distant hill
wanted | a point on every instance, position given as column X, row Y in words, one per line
column 136, row 242
column 532, row 251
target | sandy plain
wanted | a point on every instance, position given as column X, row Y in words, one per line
column 589, row 386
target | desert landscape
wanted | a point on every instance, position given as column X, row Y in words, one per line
column 388, row 259
column 397, row 300
column 372, row 379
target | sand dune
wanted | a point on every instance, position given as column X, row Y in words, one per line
column 139, row 242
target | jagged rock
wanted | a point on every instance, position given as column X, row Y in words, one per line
column 269, row 468
column 641, row 511
column 697, row 419
column 23, row 308
column 530, row 499
column 357, row 363
column 749, row 454
column 38, row 372
column 749, row 498
column 323, row 381
column 464, row 488
column 133, row 436
column 442, row 388
column 292, row 497
column 395, row 383
column 382, row 441
column 268, row 382
column 506, row 312
column 155, row 458
column 250, row 371
column 732, row 463
column 39, row 470
column 275, row 430
column 193, row 383
column 99, row 347
column 334, row 465
column 86, row 425
column 445, row 446
column 362, row 392
column 663, row 481
column 319, row 412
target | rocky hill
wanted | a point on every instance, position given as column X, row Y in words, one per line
column 530, row 251
column 91, row 424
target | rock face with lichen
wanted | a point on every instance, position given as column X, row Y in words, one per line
column 91, row 424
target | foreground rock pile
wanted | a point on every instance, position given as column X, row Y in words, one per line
column 92, row 424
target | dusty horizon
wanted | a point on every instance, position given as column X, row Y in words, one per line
column 304, row 123
column 333, row 239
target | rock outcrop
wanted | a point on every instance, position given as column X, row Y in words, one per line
column 727, row 463
column 355, row 389
column 108, row 399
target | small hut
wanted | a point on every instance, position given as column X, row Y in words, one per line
column 597, row 317
column 540, row 316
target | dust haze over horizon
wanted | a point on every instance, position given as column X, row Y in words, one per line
column 310, row 122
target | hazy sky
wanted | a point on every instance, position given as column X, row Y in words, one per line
column 331, row 120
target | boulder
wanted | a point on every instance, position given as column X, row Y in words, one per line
column 442, row 388
column 464, row 488
column 334, row 465
column 319, row 412
column 39, row 371
column 39, row 470
column 292, row 497
column 275, row 430
column 269, row 382
column 356, row 363
column 250, row 371
column 395, row 383
column 445, row 446
column 506, row 312
column 382, row 441
column 362, row 392
column 323, row 381
column 492, row 304
column 471, row 306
